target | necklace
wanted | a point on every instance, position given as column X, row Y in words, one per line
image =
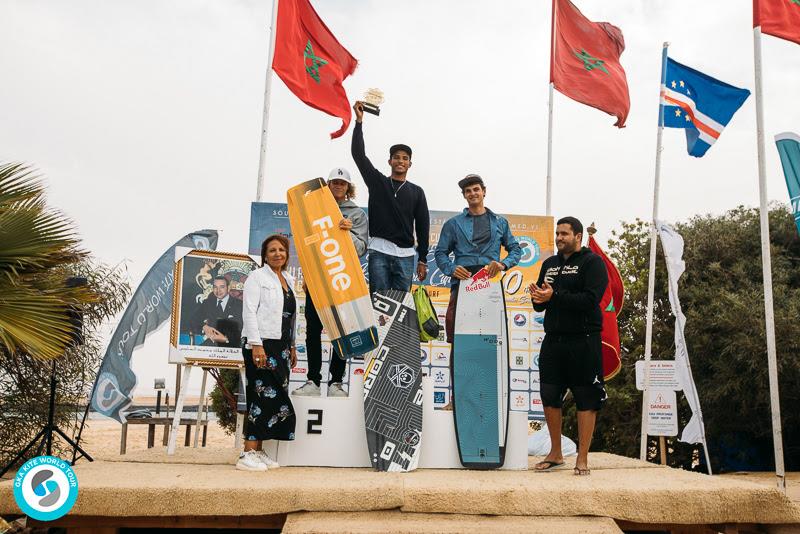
column 398, row 189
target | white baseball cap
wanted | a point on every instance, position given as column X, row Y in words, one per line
column 339, row 173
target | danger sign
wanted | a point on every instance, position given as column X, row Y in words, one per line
column 662, row 413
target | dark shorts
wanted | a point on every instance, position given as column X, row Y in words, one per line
column 572, row 363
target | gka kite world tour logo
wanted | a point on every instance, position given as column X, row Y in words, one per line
column 45, row 488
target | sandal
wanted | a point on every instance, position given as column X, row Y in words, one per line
column 549, row 466
column 582, row 472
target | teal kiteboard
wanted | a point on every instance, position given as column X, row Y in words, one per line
column 480, row 372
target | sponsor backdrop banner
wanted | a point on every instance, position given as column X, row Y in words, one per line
column 149, row 308
column 526, row 332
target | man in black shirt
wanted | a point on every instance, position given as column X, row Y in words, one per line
column 397, row 208
column 569, row 290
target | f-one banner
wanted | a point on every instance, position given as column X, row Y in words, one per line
column 526, row 331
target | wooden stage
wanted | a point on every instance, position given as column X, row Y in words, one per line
column 199, row 488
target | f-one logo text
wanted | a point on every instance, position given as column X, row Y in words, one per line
column 330, row 250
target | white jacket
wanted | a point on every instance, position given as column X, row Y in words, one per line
column 262, row 313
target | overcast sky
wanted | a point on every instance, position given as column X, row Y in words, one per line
column 145, row 116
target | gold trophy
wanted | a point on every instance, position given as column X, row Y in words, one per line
column 373, row 98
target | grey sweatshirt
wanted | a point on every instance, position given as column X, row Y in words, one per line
column 360, row 230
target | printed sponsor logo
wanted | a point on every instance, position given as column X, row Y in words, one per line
column 531, row 251
column 441, row 356
column 519, row 340
column 479, row 280
column 45, row 488
column 519, row 380
column 519, row 401
column 401, row 375
column 520, row 319
column 519, row 360
column 440, row 397
column 424, row 354
column 535, row 381
column 441, row 377
column 334, row 262
column 377, row 363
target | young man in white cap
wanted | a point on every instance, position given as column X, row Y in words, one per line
column 355, row 220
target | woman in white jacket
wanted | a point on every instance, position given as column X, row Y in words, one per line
column 269, row 316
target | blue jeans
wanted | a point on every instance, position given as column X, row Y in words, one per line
column 389, row 272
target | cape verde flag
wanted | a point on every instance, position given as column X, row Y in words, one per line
column 698, row 103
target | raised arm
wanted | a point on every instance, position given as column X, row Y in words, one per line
column 365, row 167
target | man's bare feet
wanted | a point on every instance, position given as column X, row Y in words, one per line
column 547, row 464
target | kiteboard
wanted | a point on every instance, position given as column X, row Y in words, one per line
column 393, row 385
column 331, row 268
column 480, row 372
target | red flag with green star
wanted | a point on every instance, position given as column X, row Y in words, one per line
column 584, row 61
column 610, row 306
column 780, row 18
column 311, row 62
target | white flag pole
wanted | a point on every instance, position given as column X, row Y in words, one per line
column 651, row 279
column 549, row 190
column 262, row 160
column 766, row 265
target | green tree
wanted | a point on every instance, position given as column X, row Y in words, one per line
column 37, row 245
column 39, row 250
column 722, row 297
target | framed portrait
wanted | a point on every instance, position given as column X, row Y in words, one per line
column 207, row 293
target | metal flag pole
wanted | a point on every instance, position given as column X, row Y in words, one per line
column 549, row 187
column 651, row 278
column 766, row 266
column 262, row 160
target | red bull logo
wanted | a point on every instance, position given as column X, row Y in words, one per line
column 479, row 280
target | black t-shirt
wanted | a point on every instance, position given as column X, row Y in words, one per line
column 481, row 230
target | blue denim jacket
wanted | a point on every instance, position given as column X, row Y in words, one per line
column 456, row 237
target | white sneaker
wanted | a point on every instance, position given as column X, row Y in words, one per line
column 309, row 389
column 250, row 461
column 265, row 459
column 335, row 390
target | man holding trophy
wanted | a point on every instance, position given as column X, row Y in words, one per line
column 397, row 208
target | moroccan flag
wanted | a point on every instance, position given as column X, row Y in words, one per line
column 780, row 18
column 584, row 61
column 610, row 305
column 311, row 62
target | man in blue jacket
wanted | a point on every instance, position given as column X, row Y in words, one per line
column 474, row 238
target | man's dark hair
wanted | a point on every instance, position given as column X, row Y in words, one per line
column 398, row 148
column 575, row 224
column 469, row 180
column 227, row 283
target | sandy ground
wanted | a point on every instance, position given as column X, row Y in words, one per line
column 101, row 438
